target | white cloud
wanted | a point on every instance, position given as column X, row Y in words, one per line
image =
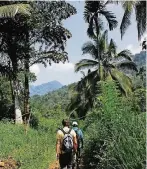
column 35, row 69
column 62, row 67
column 134, row 49
column 138, row 49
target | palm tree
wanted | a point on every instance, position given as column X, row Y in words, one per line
column 83, row 95
column 93, row 13
column 109, row 61
column 139, row 7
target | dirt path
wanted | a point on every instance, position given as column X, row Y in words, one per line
column 55, row 165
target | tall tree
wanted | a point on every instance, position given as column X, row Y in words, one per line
column 83, row 95
column 111, row 62
column 45, row 29
column 93, row 13
column 8, row 11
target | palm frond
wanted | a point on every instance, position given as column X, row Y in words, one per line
column 12, row 10
column 110, row 17
column 83, row 73
column 90, row 30
column 124, row 81
column 89, row 48
column 87, row 14
column 128, row 65
column 128, row 7
column 103, row 42
column 112, row 47
column 140, row 10
column 105, row 36
column 85, row 63
column 93, row 75
column 125, row 54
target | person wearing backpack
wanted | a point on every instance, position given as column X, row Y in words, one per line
column 66, row 144
column 79, row 135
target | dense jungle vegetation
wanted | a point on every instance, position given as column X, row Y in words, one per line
column 109, row 101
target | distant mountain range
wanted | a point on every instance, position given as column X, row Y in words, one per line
column 45, row 88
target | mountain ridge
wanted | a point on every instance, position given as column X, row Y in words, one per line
column 45, row 88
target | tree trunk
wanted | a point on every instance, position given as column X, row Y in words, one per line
column 26, row 83
column 98, row 53
column 18, row 113
column 26, row 93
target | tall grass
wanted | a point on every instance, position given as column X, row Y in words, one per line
column 115, row 136
column 36, row 150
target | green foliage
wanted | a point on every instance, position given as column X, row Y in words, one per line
column 139, row 99
column 32, row 150
column 6, row 105
column 20, row 34
column 115, row 133
column 51, row 101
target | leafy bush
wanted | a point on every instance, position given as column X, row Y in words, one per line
column 115, row 136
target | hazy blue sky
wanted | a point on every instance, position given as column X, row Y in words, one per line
column 64, row 73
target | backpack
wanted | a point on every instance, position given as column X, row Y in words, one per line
column 67, row 145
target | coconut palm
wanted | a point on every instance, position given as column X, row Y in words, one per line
column 93, row 13
column 111, row 63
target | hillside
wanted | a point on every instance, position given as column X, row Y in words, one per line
column 45, row 88
column 52, row 99
column 140, row 58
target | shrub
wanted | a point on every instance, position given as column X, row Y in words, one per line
column 115, row 136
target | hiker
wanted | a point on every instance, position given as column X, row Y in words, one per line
column 79, row 135
column 66, row 144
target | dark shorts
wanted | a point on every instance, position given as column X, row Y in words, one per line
column 65, row 160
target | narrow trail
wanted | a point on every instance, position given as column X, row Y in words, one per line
column 55, row 165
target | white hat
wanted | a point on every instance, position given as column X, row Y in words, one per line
column 75, row 123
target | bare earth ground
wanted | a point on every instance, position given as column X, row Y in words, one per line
column 10, row 163
column 55, row 165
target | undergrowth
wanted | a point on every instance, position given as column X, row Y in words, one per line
column 115, row 133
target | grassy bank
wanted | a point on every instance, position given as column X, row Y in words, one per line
column 34, row 150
